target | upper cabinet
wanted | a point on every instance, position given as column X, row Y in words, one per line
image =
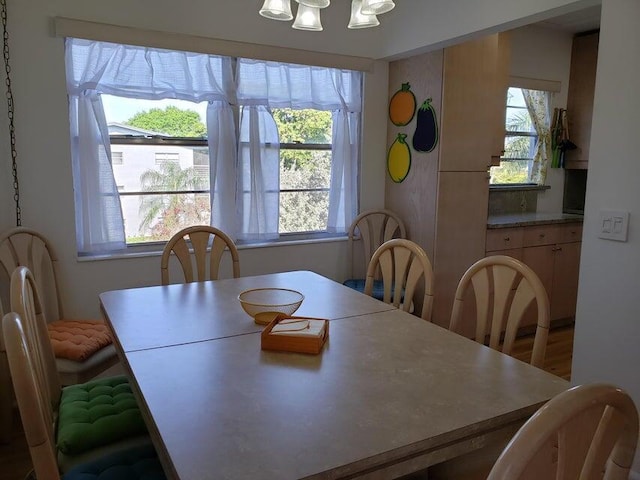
column 584, row 59
column 473, row 106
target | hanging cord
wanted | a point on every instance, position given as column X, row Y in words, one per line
column 12, row 130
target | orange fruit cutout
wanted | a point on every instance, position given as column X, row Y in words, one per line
column 402, row 106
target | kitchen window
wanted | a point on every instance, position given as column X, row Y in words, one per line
column 527, row 116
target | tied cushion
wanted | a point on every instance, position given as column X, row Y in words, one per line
column 77, row 340
column 97, row 413
column 358, row 284
column 139, row 463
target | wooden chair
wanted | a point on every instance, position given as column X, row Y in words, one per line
column 200, row 237
column 87, row 425
column 6, row 392
column 372, row 228
column 38, row 421
column 504, row 288
column 588, row 432
column 402, row 264
column 26, row 247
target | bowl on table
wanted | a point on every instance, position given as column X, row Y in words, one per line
column 264, row 304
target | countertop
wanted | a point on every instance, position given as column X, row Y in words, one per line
column 530, row 218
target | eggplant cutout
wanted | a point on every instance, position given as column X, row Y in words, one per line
column 425, row 137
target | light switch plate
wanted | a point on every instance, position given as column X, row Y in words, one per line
column 614, row 225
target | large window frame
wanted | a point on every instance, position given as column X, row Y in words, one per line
column 245, row 188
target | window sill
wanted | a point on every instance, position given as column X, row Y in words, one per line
column 517, row 187
column 155, row 249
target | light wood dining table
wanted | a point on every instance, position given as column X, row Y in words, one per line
column 390, row 394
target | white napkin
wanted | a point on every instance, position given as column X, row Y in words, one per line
column 304, row 327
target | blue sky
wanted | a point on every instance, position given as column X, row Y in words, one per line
column 118, row 109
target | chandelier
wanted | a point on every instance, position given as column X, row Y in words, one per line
column 363, row 12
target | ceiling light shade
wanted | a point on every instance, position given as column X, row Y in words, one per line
column 277, row 10
column 315, row 3
column 360, row 20
column 376, row 7
column 308, row 18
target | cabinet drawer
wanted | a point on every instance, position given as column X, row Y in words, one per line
column 541, row 235
column 503, row 239
column 571, row 232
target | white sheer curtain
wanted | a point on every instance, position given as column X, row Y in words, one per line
column 145, row 73
column 258, row 184
column 278, row 85
column 99, row 224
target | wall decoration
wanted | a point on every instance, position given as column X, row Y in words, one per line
column 402, row 106
column 425, row 137
column 399, row 159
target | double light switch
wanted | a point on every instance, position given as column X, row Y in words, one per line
column 614, row 225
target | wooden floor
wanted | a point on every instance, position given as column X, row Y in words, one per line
column 14, row 457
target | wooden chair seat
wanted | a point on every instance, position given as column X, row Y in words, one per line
column 504, row 288
column 403, row 265
column 588, row 432
column 25, row 247
column 130, row 459
column 199, row 251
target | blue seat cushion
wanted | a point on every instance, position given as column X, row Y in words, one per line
column 140, row 463
column 358, row 284
column 97, row 413
column 378, row 288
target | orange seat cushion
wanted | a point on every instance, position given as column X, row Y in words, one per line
column 78, row 339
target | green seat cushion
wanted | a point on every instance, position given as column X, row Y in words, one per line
column 140, row 463
column 97, row 413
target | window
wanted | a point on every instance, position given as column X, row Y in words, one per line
column 116, row 158
column 280, row 141
column 522, row 137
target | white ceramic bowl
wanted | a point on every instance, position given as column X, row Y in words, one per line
column 270, row 300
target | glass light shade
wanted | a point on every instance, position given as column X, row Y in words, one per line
column 360, row 20
column 376, row 7
column 308, row 18
column 315, row 3
column 277, row 10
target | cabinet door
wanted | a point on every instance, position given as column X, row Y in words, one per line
column 467, row 136
column 541, row 261
column 564, row 292
column 501, row 85
column 584, row 59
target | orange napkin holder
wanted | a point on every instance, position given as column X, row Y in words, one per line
column 292, row 342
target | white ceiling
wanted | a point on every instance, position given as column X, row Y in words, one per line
column 576, row 22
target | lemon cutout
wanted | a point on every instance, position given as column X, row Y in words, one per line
column 399, row 159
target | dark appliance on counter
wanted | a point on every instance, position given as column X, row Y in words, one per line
column 575, row 188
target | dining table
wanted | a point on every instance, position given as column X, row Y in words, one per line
column 390, row 393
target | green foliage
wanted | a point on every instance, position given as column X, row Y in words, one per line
column 165, row 214
column 301, row 126
column 171, row 121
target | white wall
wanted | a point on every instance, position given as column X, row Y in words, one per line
column 607, row 336
column 544, row 54
column 43, row 130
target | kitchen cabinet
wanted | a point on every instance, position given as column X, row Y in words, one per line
column 582, row 80
column 444, row 199
column 553, row 253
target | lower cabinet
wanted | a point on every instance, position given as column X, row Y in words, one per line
column 553, row 252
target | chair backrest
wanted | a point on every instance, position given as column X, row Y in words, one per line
column 25, row 301
column 583, row 433
column 402, row 264
column 25, row 247
column 504, row 287
column 199, row 237
column 36, row 413
column 373, row 227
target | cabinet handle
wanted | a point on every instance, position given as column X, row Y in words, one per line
column 556, row 249
column 542, row 235
column 506, row 239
